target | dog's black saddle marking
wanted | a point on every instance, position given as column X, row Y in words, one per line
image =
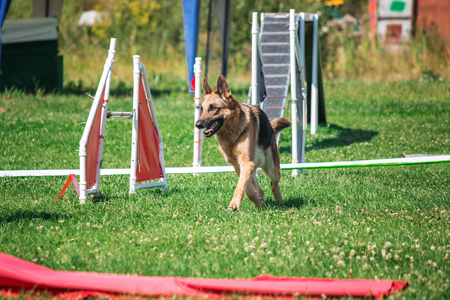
column 265, row 130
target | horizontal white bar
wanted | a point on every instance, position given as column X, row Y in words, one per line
column 120, row 114
column 218, row 169
column 150, row 185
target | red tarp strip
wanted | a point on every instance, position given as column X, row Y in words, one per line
column 72, row 178
column 17, row 275
column 92, row 147
column 148, row 163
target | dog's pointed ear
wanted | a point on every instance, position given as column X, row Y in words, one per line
column 206, row 88
column 222, row 87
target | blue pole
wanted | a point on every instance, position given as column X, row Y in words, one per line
column 191, row 11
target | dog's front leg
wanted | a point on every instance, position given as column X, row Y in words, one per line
column 246, row 171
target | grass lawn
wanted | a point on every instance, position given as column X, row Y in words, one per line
column 373, row 222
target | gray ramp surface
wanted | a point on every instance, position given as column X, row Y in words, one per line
column 274, row 35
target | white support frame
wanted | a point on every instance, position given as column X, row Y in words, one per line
column 298, row 116
column 314, row 88
column 198, row 133
column 105, row 81
column 140, row 74
column 255, row 63
column 293, row 71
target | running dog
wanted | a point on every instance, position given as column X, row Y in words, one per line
column 247, row 140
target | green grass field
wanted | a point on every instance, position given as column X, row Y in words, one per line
column 377, row 222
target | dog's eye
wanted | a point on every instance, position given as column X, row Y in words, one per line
column 212, row 108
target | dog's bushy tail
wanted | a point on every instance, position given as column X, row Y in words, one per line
column 279, row 124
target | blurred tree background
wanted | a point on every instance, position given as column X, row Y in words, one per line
column 154, row 29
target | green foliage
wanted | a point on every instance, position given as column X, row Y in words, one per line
column 385, row 222
column 154, row 29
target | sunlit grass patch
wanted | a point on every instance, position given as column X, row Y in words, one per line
column 375, row 222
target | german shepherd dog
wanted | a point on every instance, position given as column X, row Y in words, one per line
column 247, row 140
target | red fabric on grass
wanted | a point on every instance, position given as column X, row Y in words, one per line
column 18, row 276
column 92, row 147
column 148, row 163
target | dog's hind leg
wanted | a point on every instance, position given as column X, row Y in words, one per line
column 254, row 191
column 274, row 174
column 256, row 186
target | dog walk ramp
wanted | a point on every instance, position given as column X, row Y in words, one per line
column 274, row 42
column 274, row 62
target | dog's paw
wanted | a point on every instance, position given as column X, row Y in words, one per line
column 234, row 204
column 233, row 208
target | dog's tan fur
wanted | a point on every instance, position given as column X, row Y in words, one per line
column 246, row 139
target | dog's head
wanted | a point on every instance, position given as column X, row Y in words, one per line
column 217, row 107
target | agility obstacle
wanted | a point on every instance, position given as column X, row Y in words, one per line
column 147, row 157
column 280, row 53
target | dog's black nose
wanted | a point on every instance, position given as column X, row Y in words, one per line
column 199, row 124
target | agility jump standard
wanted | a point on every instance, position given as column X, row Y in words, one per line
column 147, row 157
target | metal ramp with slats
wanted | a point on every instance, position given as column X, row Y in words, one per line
column 274, row 41
column 273, row 51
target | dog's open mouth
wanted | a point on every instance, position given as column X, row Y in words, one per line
column 212, row 128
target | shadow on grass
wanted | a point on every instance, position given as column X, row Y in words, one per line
column 103, row 198
column 287, row 203
column 26, row 215
column 125, row 196
column 345, row 137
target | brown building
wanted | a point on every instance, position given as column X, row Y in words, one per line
column 434, row 13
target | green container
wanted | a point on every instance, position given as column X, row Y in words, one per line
column 31, row 66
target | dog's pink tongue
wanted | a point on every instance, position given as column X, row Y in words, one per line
column 207, row 131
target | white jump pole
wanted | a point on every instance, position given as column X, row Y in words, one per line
column 197, row 100
column 111, row 52
column 314, row 88
column 435, row 159
column 255, row 53
column 304, row 115
column 302, row 39
column 301, row 114
column 294, row 116
column 134, row 123
column 84, row 138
